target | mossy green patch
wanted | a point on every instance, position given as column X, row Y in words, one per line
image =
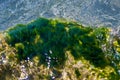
column 52, row 38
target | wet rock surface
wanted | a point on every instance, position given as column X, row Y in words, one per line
column 87, row 12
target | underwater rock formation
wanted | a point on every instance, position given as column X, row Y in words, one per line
column 58, row 49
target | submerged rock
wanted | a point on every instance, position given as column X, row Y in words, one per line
column 47, row 49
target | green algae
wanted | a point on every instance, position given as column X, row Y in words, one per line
column 43, row 35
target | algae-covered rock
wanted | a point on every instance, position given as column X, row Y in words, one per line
column 60, row 49
column 41, row 36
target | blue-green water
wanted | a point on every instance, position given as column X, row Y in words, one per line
column 87, row 12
